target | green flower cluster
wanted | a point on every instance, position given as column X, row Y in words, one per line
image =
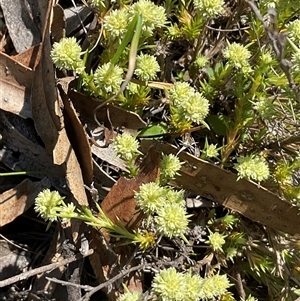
column 252, row 168
column 170, row 165
column 116, row 23
column 216, row 240
column 188, row 106
column 169, row 285
column 238, row 56
column 294, row 31
column 126, row 147
column 168, row 206
column 50, row 205
column 131, row 296
column 108, row 78
column 209, row 8
column 264, row 107
column 66, row 55
column 146, row 67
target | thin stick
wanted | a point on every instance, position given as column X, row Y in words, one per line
column 66, row 283
column 43, row 269
column 97, row 288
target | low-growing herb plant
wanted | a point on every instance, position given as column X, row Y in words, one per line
column 226, row 73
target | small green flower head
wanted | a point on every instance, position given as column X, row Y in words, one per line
column 131, row 296
column 193, row 287
column 172, row 220
column 238, row 56
column 116, row 23
column 201, row 61
column 294, row 31
column 169, row 285
column 47, row 203
column 126, row 146
column 216, row 240
column 250, row 298
column 150, row 198
column 265, row 108
column 180, row 91
column 66, row 55
column 188, row 106
column 211, row 151
column 296, row 61
column 108, row 78
column 266, row 58
column 195, row 108
column 146, row 67
column 173, row 31
column 153, row 16
column 169, row 167
column 252, row 168
column 68, row 211
column 174, row 197
column 209, row 8
column 231, row 252
column 214, row 286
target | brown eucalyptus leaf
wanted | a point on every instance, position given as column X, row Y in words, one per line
column 28, row 58
column 78, row 138
column 58, row 24
column 243, row 196
column 119, row 117
column 49, row 119
column 120, row 204
column 16, row 201
column 15, row 86
column 23, row 22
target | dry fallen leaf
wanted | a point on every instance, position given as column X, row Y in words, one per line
column 245, row 197
column 23, row 22
column 15, row 86
column 119, row 117
column 16, row 201
column 48, row 117
column 120, row 202
column 78, row 138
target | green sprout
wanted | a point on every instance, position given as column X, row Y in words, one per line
column 50, row 205
column 216, row 240
column 126, row 147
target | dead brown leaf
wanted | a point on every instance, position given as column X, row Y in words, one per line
column 245, row 197
column 16, row 201
column 22, row 19
column 15, row 86
column 119, row 117
column 77, row 137
column 48, row 117
column 120, row 202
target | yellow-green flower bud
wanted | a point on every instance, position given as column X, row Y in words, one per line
column 66, row 55
column 108, row 78
column 146, row 67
